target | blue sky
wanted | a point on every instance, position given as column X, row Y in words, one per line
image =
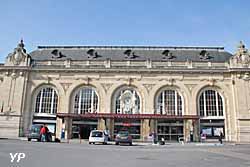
column 124, row 22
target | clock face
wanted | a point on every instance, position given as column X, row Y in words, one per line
column 127, row 101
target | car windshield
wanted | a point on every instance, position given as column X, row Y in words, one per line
column 35, row 129
column 123, row 133
column 96, row 134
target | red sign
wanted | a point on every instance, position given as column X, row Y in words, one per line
column 126, row 116
column 126, row 124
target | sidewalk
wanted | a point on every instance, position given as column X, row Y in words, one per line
column 139, row 143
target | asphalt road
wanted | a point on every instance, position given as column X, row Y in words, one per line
column 84, row 155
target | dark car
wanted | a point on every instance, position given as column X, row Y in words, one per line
column 34, row 133
column 123, row 137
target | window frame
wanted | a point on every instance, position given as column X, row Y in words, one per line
column 217, row 104
column 46, row 101
column 85, row 99
column 178, row 97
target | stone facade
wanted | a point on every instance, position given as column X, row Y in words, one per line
column 24, row 75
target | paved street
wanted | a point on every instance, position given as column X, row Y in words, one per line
column 84, row 155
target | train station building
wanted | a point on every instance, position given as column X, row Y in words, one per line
column 175, row 92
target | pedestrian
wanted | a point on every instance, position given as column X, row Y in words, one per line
column 154, row 137
column 220, row 137
column 47, row 134
column 43, row 134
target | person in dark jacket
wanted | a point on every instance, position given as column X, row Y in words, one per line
column 220, row 137
column 47, row 133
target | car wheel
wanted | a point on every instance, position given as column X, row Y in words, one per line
column 29, row 139
column 90, row 143
column 93, row 142
column 105, row 143
column 116, row 143
column 130, row 144
column 38, row 140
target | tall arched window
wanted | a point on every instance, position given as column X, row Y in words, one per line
column 127, row 101
column 210, row 104
column 86, row 101
column 46, row 101
column 169, row 102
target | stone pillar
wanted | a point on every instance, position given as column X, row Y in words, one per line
column 101, row 124
column 188, row 130
column 153, row 125
column 196, row 127
column 68, row 128
column 111, row 127
column 145, row 129
column 58, row 127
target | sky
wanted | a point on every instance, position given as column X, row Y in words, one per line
column 124, row 22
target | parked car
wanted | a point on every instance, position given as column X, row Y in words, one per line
column 123, row 137
column 98, row 136
column 34, row 133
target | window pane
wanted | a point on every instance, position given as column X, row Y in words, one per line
column 211, row 102
column 169, row 102
column 86, row 101
column 46, row 101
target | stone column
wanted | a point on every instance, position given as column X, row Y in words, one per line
column 101, row 124
column 153, row 125
column 188, row 130
column 145, row 129
column 196, row 127
column 68, row 128
column 58, row 127
column 111, row 127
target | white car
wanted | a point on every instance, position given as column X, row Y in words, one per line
column 98, row 136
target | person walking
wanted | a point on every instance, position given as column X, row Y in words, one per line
column 47, row 133
column 220, row 137
column 43, row 133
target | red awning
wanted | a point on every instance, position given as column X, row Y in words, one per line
column 126, row 116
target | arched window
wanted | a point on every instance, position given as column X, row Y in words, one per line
column 210, row 103
column 86, row 101
column 169, row 102
column 127, row 101
column 46, row 101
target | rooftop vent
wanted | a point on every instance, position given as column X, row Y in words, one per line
column 167, row 54
column 92, row 53
column 204, row 55
column 57, row 54
column 130, row 54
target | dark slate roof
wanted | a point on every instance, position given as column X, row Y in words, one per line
column 214, row 54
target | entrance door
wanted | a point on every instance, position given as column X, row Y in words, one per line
column 83, row 127
column 133, row 126
column 170, row 130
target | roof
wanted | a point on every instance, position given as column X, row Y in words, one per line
column 154, row 53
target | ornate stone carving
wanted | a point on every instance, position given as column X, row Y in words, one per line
column 242, row 55
column 148, row 86
column 128, row 105
column 211, row 81
column 106, row 86
column 204, row 55
column 65, row 86
column 167, row 54
column 19, row 55
column 190, row 87
column 129, row 81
